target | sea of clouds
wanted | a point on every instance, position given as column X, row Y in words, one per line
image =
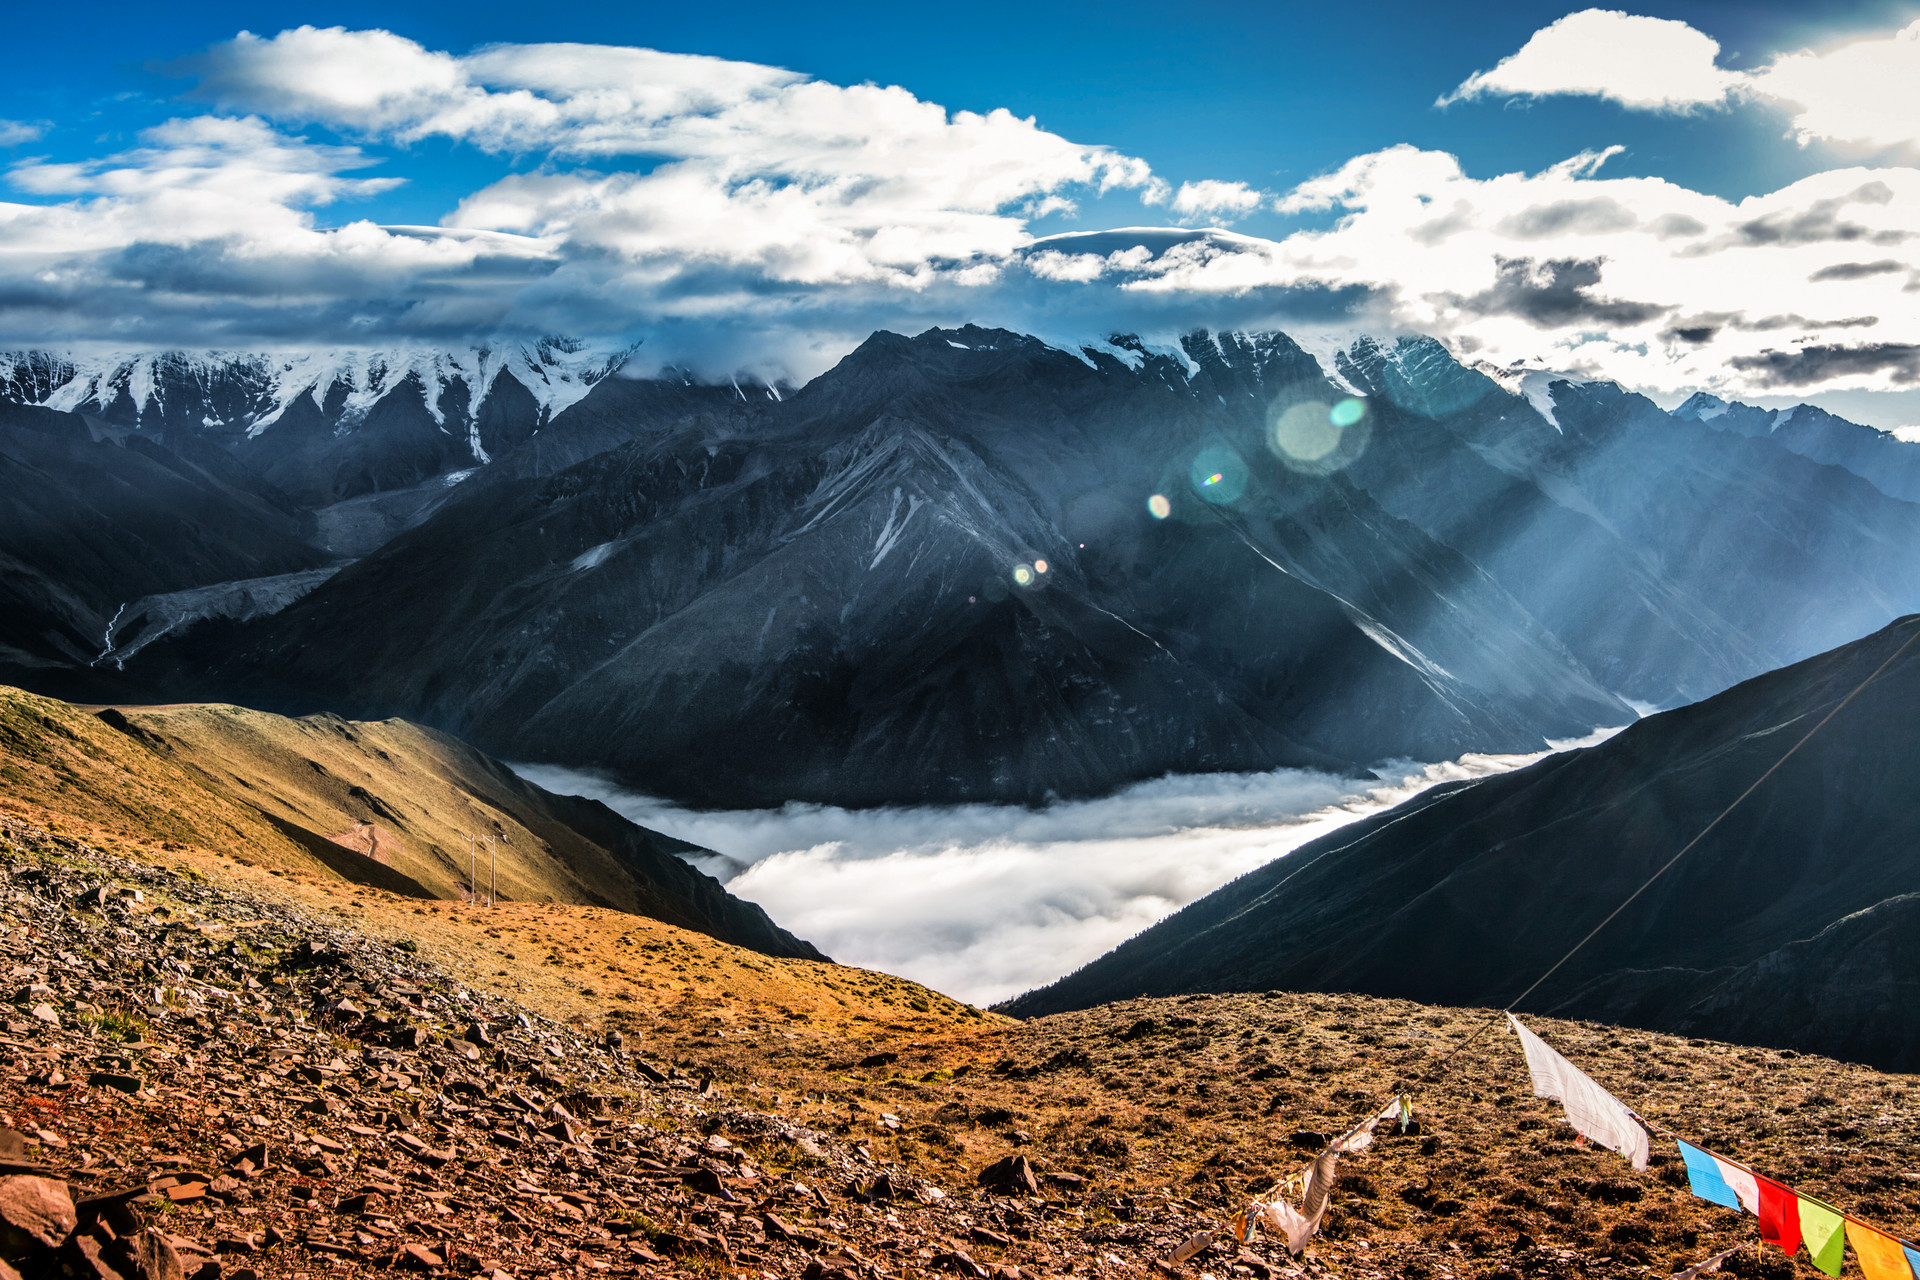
column 985, row 901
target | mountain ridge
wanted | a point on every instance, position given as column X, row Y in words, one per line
column 1462, row 895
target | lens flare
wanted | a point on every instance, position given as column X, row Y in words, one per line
column 1039, row 566
column 1315, row 438
column 1159, row 507
column 1218, row 475
column 1306, row 433
column 1023, row 575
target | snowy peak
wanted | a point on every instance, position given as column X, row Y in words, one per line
column 230, row 393
column 1701, row 406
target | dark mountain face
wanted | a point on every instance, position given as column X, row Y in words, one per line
column 97, row 517
column 1672, row 560
column 934, row 575
column 1890, row 464
column 741, row 598
column 1791, row 924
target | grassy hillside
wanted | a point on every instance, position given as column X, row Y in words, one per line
column 388, row 805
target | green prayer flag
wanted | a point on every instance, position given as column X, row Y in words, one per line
column 1820, row 1232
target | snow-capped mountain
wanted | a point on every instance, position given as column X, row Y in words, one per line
column 1256, row 553
column 327, row 425
column 1883, row 459
column 227, row 392
column 839, row 596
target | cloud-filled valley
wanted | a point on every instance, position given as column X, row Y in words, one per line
column 984, row 902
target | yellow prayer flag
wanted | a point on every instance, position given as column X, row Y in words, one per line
column 1880, row 1256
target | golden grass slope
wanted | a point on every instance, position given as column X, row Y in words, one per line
column 322, row 795
column 65, row 769
column 422, row 792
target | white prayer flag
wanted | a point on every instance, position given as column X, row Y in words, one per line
column 1598, row 1116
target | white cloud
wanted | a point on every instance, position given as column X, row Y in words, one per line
column 667, row 190
column 739, row 215
column 16, row 133
column 208, row 223
column 1649, row 63
column 1080, row 268
column 1216, row 201
column 986, row 901
column 792, row 179
column 1864, row 91
column 1636, row 279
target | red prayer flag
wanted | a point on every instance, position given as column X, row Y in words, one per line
column 1779, row 1216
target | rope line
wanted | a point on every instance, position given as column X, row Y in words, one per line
column 1684, row 850
column 1439, row 1068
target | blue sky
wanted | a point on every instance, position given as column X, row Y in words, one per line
column 157, row 189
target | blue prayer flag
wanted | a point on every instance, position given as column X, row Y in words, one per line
column 1704, row 1175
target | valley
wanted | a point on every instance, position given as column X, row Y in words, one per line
column 975, row 610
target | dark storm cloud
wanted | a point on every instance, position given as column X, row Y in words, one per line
column 1818, row 223
column 1858, row 270
column 1580, row 217
column 1555, row 293
column 1810, row 365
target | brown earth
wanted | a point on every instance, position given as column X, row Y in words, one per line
column 1144, row 1121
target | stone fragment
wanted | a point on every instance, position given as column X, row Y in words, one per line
column 1012, row 1176
column 37, row 1209
column 114, row 1080
column 420, row 1258
column 957, row 1261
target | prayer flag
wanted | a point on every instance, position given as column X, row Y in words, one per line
column 1913, row 1259
column 1707, row 1265
column 1591, row 1110
column 1742, row 1183
column 1703, row 1175
column 1880, row 1256
column 1820, row 1230
column 1779, row 1216
column 1360, row 1137
column 1319, row 1188
column 1282, row 1220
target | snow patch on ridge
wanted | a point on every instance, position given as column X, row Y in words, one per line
column 556, row 371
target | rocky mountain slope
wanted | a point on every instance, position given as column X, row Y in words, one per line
column 388, row 805
column 1879, row 457
column 217, row 1074
column 1791, row 924
column 97, row 516
column 932, row 574
column 740, row 595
